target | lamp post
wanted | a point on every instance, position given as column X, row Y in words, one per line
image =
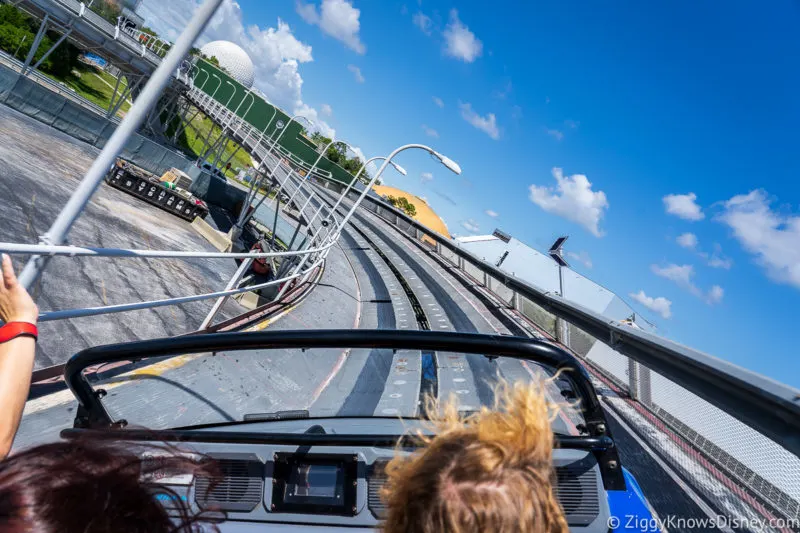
column 446, row 161
column 264, row 131
column 397, row 167
column 214, row 94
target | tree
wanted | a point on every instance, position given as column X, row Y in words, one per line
column 333, row 154
column 213, row 60
column 17, row 32
column 403, row 204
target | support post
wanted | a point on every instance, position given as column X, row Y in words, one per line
column 37, row 40
column 633, row 379
column 50, row 51
column 233, row 282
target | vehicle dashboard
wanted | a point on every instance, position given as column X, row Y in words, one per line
column 306, row 487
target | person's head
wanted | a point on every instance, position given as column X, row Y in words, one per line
column 492, row 471
column 86, row 487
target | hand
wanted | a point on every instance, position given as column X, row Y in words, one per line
column 16, row 305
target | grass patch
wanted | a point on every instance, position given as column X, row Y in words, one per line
column 90, row 85
column 194, row 136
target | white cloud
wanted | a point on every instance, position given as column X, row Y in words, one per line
column 491, row 213
column 716, row 261
column 581, row 257
column 487, row 124
column 430, row 132
column 276, row 52
column 683, row 206
column 311, row 114
column 773, row 237
column 572, row 124
column 687, row 240
column 573, row 199
column 682, row 276
column 337, row 18
column 426, row 177
column 715, row 295
column 659, row 305
column 461, row 43
column 438, row 101
column 356, row 73
column 423, row 22
column 326, row 110
column 556, row 134
column 470, row 225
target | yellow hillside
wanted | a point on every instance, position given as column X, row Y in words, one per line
column 425, row 214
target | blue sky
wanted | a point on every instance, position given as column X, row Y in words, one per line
column 665, row 120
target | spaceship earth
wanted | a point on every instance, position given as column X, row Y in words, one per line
column 233, row 59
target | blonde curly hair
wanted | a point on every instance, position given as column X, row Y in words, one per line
column 491, row 471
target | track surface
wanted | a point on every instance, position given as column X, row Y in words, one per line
column 362, row 287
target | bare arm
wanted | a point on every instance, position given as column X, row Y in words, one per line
column 16, row 355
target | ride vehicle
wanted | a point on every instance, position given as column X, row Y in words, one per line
column 320, row 467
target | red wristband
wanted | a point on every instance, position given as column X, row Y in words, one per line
column 12, row 330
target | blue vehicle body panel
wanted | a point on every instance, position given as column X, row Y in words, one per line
column 629, row 510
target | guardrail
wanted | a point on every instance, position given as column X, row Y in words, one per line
column 81, row 10
column 761, row 416
column 767, row 405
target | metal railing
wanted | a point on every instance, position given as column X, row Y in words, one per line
column 751, row 407
column 736, row 423
column 246, row 134
column 51, row 244
column 54, row 86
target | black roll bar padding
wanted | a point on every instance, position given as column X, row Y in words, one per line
column 767, row 406
column 92, row 414
column 296, row 439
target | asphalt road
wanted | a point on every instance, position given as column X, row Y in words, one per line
column 39, row 169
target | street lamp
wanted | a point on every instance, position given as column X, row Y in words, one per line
column 397, row 167
column 446, row 161
column 214, row 94
column 235, row 113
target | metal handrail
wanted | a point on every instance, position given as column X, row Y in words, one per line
column 768, row 406
column 62, row 90
column 121, row 308
column 84, row 251
column 243, row 127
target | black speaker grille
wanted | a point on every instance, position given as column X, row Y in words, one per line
column 240, row 487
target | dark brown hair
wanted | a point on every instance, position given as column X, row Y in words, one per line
column 91, row 487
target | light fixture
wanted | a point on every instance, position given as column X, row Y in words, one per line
column 398, row 168
column 446, row 161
